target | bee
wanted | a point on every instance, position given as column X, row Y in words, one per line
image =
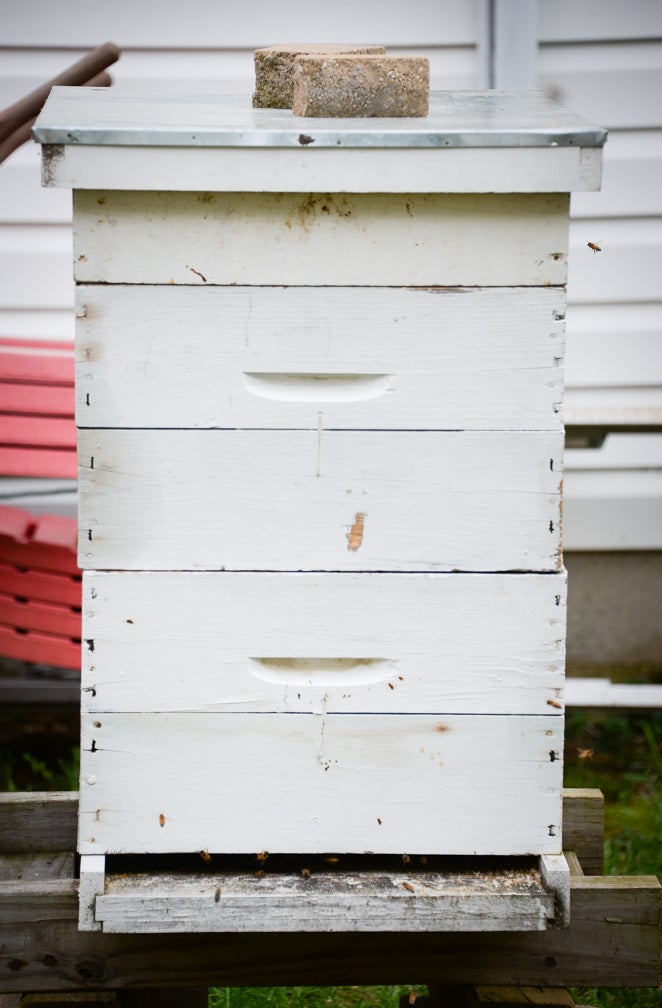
column 594, row 247
column 305, row 872
column 379, row 820
column 262, row 856
column 391, row 686
column 412, row 997
column 217, row 895
column 260, row 874
column 408, row 886
column 584, row 753
column 331, row 859
column 205, row 855
column 162, row 820
column 554, row 703
column 406, row 859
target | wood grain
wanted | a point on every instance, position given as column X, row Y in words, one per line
column 340, row 643
column 417, row 358
column 286, row 500
column 426, row 784
column 353, row 239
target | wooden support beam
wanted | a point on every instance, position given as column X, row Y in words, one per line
column 613, row 939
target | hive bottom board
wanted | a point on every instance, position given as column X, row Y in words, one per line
column 228, row 783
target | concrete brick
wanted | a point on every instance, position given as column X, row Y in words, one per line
column 274, row 68
column 366, row 85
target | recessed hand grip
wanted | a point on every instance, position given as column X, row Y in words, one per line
column 323, row 672
column 316, row 387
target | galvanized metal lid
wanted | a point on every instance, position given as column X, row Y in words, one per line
column 98, row 116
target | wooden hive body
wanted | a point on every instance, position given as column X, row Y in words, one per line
column 320, row 458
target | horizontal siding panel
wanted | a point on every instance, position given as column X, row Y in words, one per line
column 617, row 86
column 155, row 25
column 340, row 643
column 23, row 199
column 617, row 510
column 630, row 180
column 628, row 268
column 598, row 20
column 618, row 345
column 619, row 451
column 48, row 324
column 35, row 267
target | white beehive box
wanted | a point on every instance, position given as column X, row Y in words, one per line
column 319, row 393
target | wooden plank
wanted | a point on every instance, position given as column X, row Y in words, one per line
column 306, row 239
column 501, row 900
column 54, row 463
column 584, row 827
column 47, row 820
column 611, row 941
column 333, row 782
column 63, row 589
column 44, row 616
column 36, row 361
column 343, row 643
column 42, row 400
column 151, row 356
column 38, row 821
column 39, row 648
column 319, row 500
column 37, row 431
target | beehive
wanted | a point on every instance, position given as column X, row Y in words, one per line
column 319, row 399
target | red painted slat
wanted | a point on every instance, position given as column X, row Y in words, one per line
column 50, row 368
column 43, row 616
column 64, row 589
column 39, row 648
column 39, row 344
column 45, row 400
column 47, row 542
column 37, row 431
column 47, row 463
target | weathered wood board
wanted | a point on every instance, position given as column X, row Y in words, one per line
column 239, row 783
column 389, row 358
column 498, row 900
column 612, row 940
column 336, row 643
column 328, row 239
column 320, row 500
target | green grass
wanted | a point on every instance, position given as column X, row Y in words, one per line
column 309, row 997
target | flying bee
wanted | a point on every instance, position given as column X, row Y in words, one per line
column 162, row 820
column 262, row 856
column 205, row 855
column 594, row 246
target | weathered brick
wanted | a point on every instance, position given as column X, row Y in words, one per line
column 361, row 85
column 274, row 68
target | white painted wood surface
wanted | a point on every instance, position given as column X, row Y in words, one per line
column 320, row 500
column 256, row 169
column 180, row 356
column 502, row 900
column 242, row 783
column 340, row 643
column 362, row 239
